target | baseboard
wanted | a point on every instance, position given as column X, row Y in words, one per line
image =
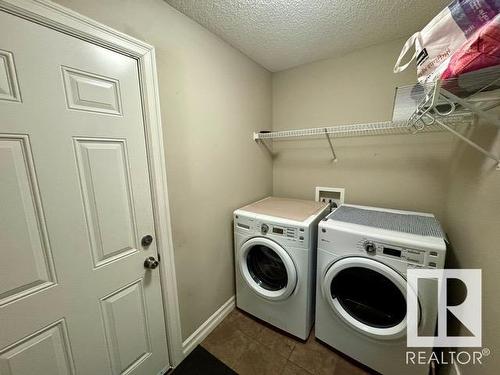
column 208, row 326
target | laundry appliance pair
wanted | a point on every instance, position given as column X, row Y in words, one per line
column 297, row 264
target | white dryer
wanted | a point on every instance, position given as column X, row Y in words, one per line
column 275, row 261
column 363, row 257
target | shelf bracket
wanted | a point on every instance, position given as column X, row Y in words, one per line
column 473, row 108
column 331, row 145
column 469, row 142
column 262, row 141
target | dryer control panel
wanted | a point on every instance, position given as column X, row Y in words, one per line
column 419, row 257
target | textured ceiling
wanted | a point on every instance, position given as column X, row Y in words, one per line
column 280, row 34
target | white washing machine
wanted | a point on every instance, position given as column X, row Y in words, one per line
column 363, row 257
column 275, row 261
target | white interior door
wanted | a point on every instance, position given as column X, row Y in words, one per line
column 75, row 202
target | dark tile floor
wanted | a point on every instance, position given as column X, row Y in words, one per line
column 250, row 347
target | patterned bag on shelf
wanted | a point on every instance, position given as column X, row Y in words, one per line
column 480, row 51
column 444, row 35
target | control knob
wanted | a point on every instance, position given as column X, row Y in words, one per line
column 264, row 228
column 370, row 248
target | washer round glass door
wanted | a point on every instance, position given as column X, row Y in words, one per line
column 368, row 295
column 267, row 268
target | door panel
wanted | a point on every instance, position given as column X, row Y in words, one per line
column 9, row 89
column 75, row 200
column 23, row 234
column 45, row 352
column 107, row 194
column 124, row 314
column 90, row 92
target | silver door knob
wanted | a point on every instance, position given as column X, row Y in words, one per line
column 151, row 263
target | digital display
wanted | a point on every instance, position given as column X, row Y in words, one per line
column 278, row 230
column 393, row 252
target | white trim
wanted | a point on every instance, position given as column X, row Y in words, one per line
column 208, row 326
column 69, row 22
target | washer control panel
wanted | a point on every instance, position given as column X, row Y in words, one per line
column 288, row 232
column 270, row 229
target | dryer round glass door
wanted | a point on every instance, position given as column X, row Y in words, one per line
column 267, row 268
column 368, row 295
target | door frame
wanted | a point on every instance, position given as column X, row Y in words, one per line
column 66, row 21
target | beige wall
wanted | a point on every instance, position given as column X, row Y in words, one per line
column 403, row 172
column 472, row 220
column 212, row 99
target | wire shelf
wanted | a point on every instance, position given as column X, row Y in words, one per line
column 364, row 129
column 442, row 106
